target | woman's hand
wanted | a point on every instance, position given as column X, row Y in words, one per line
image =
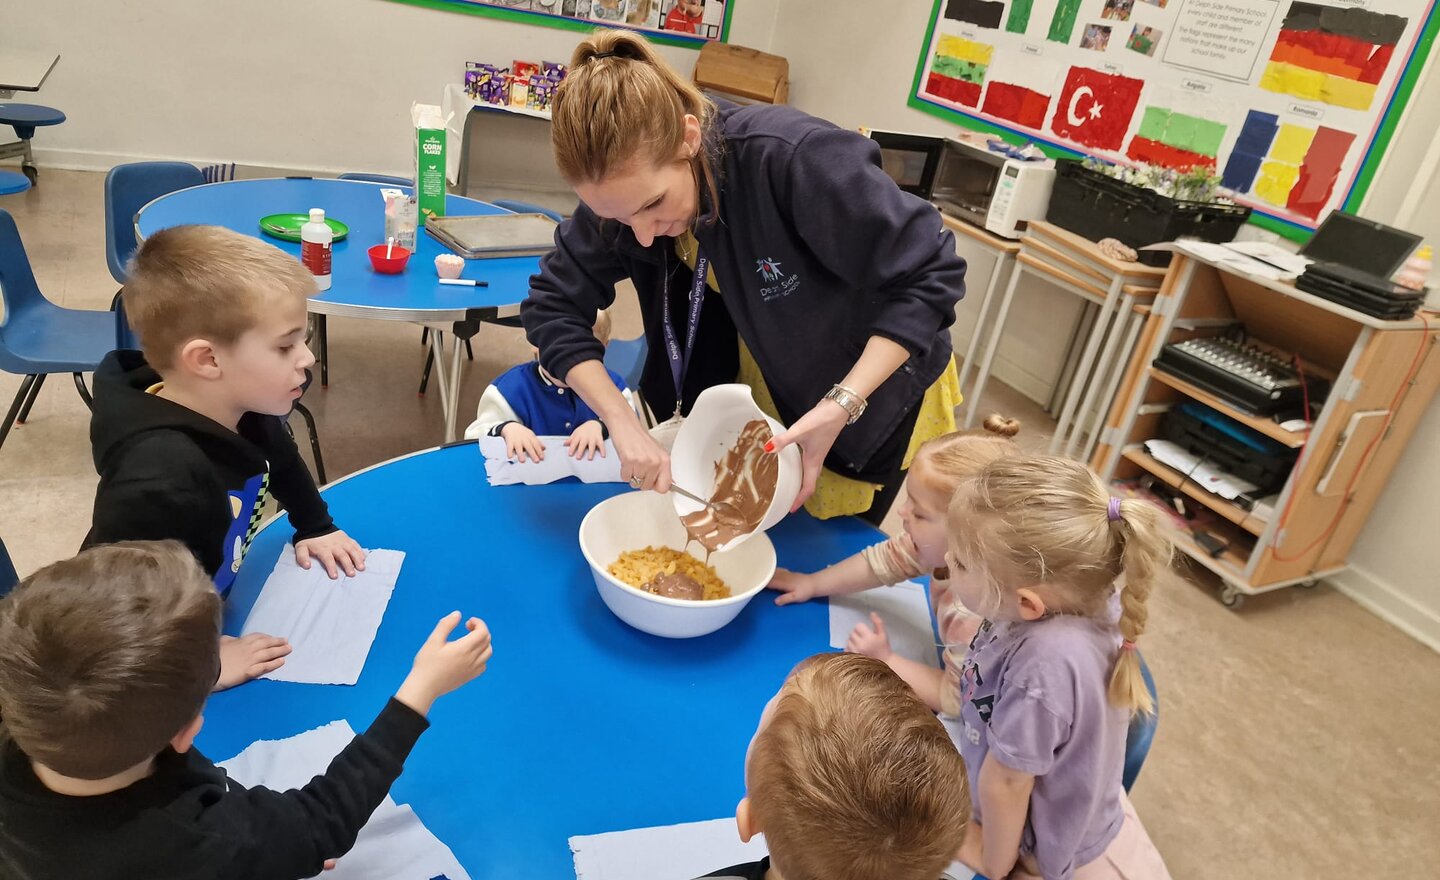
column 815, row 432
column 644, row 463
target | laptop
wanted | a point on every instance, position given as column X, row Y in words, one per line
column 1370, row 247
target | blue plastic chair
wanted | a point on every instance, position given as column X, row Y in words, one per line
column 8, row 577
column 627, row 357
column 25, row 118
column 128, row 188
column 1142, row 731
column 38, row 337
column 387, row 179
column 11, row 183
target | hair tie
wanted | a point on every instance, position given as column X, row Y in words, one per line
column 1127, row 645
column 611, row 54
column 1112, row 511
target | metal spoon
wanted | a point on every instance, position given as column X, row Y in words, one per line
column 724, row 511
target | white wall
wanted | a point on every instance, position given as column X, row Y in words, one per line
column 855, row 67
column 326, row 85
column 322, row 85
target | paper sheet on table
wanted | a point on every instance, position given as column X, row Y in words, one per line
column 1223, row 255
column 905, row 610
column 669, row 852
column 1292, row 264
column 330, row 624
column 393, row 844
column 557, row 464
column 1206, row 476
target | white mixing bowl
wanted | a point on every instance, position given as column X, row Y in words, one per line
column 636, row 520
column 708, row 433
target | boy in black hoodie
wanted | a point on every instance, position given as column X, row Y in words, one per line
column 105, row 663
column 188, row 437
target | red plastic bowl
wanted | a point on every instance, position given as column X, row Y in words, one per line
column 399, row 256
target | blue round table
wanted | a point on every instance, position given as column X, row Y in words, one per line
column 581, row 724
column 356, row 289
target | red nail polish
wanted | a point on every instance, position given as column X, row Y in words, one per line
column 769, row 445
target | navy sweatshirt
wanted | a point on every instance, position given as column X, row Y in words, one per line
column 815, row 250
column 189, row 821
column 167, row 472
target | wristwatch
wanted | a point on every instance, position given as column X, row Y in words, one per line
column 849, row 401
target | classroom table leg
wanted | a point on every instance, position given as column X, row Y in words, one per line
column 1066, row 375
column 993, row 343
column 1087, row 361
column 1112, row 335
column 1003, row 262
column 452, row 405
column 437, row 353
column 1132, row 335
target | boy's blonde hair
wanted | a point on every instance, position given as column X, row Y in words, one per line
column 853, row 776
column 1046, row 520
column 194, row 282
column 625, row 107
column 105, row 657
column 952, row 458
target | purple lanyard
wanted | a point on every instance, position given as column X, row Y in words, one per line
column 680, row 360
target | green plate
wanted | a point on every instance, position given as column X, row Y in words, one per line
column 287, row 226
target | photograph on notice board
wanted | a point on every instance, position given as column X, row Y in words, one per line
column 1160, row 3
column 1143, row 39
column 1118, row 10
column 684, row 16
column 1096, row 36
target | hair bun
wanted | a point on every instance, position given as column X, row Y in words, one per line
column 998, row 424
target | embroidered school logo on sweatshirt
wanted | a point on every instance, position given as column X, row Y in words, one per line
column 777, row 284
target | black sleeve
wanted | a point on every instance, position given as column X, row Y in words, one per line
column 290, row 480
column 291, row 834
column 838, row 195
column 576, row 280
column 161, row 487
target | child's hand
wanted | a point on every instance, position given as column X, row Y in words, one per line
column 588, row 438
column 441, row 666
column 870, row 642
column 335, row 551
column 520, row 441
column 249, row 657
column 792, row 586
column 971, row 853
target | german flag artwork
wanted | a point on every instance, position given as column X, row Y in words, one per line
column 1332, row 55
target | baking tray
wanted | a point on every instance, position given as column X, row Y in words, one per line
column 495, row 235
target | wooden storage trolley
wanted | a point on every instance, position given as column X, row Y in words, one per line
column 1383, row 374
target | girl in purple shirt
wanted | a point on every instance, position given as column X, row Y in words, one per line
column 1051, row 679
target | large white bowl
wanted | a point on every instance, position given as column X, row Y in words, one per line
column 635, row 520
column 719, row 415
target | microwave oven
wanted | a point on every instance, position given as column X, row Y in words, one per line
column 969, row 182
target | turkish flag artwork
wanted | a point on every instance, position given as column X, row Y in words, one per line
column 1095, row 108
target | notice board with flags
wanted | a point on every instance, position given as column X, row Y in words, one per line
column 1292, row 102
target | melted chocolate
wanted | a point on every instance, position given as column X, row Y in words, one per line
column 676, row 586
column 744, row 485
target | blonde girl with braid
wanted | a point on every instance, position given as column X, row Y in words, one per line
column 1061, row 571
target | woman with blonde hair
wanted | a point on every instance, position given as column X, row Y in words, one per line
column 766, row 246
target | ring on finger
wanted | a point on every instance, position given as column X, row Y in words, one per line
column 637, row 481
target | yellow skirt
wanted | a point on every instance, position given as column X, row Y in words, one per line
column 836, row 495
